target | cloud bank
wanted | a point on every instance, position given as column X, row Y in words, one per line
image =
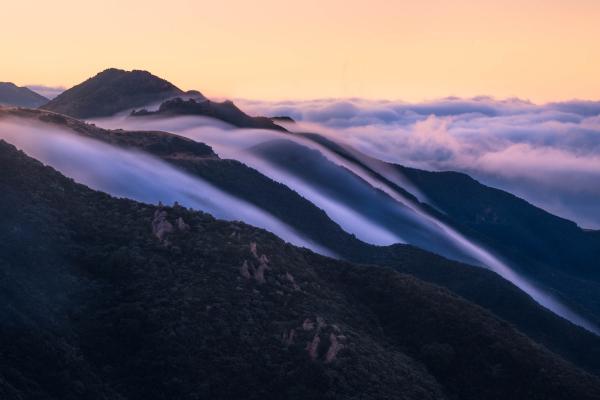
column 547, row 154
column 49, row 92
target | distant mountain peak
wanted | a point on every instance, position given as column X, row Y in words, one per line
column 13, row 95
column 111, row 91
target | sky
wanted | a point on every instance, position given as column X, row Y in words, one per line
column 272, row 49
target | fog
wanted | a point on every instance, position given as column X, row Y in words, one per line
column 547, row 154
column 48, row 92
column 136, row 175
column 360, row 202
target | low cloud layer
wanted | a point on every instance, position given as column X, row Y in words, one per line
column 548, row 154
column 349, row 201
column 136, row 175
column 49, row 92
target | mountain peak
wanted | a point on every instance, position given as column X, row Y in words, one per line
column 13, row 95
column 111, row 91
column 119, row 71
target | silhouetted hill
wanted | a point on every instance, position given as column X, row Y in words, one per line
column 554, row 250
column 511, row 221
column 109, row 298
column 475, row 284
column 225, row 111
column 282, row 118
column 13, row 95
column 550, row 250
column 112, row 91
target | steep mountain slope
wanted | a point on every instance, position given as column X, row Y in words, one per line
column 549, row 249
column 475, row 284
column 109, row 298
column 225, row 111
column 229, row 175
column 111, row 91
column 523, row 231
column 526, row 231
column 556, row 251
column 345, row 188
column 13, row 95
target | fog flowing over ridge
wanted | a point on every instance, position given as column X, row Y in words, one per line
column 136, row 175
column 547, row 154
column 401, row 220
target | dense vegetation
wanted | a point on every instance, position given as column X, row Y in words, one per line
column 548, row 249
column 109, row 298
column 553, row 250
column 475, row 284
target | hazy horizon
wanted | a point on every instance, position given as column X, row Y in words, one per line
column 543, row 51
column 51, row 92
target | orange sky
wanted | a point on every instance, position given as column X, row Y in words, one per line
column 276, row 49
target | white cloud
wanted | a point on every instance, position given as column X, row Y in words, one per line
column 548, row 154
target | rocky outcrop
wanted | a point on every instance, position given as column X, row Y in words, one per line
column 253, row 249
column 160, row 225
column 245, row 270
column 256, row 268
column 181, row 225
column 323, row 341
column 259, row 272
column 334, row 347
column 313, row 347
column 290, row 278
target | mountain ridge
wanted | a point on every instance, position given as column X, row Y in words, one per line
column 473, row 283
column 180, row 316
column 13, row 95
column 225, row 111
column 543, row 246
column 111, row 91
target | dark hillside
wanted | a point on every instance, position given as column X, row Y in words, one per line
column 13, row 95
column 111, row 91
column 109, row 298
column 474, row 284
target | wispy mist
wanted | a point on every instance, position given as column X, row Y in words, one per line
column 350, row 196
column 548, row 154
column 49, row 92
column 136, row 175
